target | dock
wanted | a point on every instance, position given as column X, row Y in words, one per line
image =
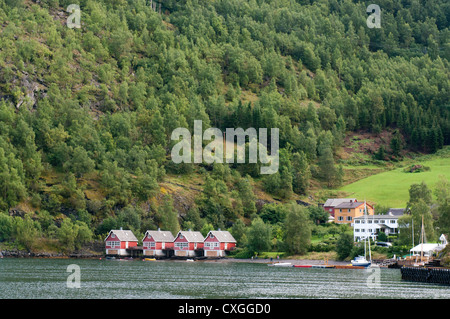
column 435, row 275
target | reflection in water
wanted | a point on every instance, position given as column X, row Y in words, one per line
column 47, row 278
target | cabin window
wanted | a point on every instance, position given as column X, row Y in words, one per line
column 357, row 221
column 182, row 245
column 113, row 236
column 392, row 221
column 114, row 244
column 149, row 236
column 349, row 218
column 211, row 245
column 340, row 218
column 348, row 210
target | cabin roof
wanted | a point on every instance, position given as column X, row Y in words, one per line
column 160, row 235
column 123, row 235
column 191, row 236
column 223, row 236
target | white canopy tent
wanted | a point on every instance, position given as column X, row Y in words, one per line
column 428, row 249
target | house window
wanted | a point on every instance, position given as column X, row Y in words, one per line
column 392, row 221
column 348, row 210
column 370, row 221
column 340, row 210
column 211, row 245
column 181, row 245
column 382, row 221
column 349, row 218
column 149, row 236
column 357, row 221
column 340, row 218
column 114, row 244
column 356, row 230
column 113, row 235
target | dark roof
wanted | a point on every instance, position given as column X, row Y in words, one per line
column 396, row 211
column 333, row 202
column 352, row 204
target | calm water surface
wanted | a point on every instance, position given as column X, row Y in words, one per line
column 47, row 278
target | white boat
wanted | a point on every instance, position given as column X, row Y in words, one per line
column 279, row 264
column 361, row 261
column 190, row 260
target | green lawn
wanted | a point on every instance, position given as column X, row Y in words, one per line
column 391, row 188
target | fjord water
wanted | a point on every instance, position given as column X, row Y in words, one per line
column 47, row 278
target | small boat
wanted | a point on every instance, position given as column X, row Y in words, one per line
column 360, row 261
column 149, row 259
column 302, row 266
column 280, row 264
column 190, row 260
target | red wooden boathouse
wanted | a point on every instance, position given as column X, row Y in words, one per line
column 217, row 242
column 188, row 243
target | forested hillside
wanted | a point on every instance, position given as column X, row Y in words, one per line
column 86, row 114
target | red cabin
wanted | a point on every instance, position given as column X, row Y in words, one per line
column 118, row 241
column 187, row 242
column 217, row 242
column 156, row 241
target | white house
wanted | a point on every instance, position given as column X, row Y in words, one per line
column 371, row 226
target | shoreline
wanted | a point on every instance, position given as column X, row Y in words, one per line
column 293, row 261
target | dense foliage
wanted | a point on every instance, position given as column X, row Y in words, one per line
column 86, row 115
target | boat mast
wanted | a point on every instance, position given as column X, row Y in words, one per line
column 368, row 236
column 421, row 246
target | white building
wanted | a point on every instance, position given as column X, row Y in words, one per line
column 371, row 226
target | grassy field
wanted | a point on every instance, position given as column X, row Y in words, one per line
column 391, row 188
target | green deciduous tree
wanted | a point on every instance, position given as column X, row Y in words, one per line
column 297, row 229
